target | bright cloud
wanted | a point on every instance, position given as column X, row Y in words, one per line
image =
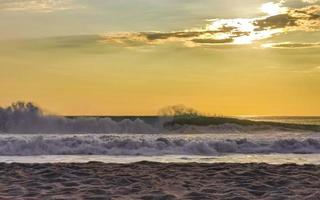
column 272, row 8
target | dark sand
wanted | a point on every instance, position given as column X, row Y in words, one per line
column 154, row 181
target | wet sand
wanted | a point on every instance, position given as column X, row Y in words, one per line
column 155, row 181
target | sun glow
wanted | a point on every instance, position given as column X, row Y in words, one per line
column 273, row 8
column 244, row 25
column 242, row 30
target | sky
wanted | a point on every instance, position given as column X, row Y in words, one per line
column 133, row 57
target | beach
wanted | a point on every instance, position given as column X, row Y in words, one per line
column 158, row 181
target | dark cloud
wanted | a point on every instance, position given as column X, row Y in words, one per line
column 293, row 45
column 200, row 37
column 213, row 41
column 304, row 19
column 277, row 21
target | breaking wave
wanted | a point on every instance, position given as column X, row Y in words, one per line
column 26, row 118
column 25, row 145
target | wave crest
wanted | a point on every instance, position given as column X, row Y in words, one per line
column 116, row 145
column 26, row 118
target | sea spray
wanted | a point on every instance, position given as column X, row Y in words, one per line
column 26, row 118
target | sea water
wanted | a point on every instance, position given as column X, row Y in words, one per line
column 269, row 147
column 145, row 141
column 313, row 120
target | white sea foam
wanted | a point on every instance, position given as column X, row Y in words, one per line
column 153, row 145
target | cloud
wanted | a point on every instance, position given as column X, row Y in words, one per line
column 288, row 45
column 38, row 5
column 310, row 1
column 297, row 2
column 190, row 37
column 235, row 31
column 306, row 19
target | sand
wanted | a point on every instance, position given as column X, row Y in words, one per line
column 155, row 181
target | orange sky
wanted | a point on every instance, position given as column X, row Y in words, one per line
column 249, row 68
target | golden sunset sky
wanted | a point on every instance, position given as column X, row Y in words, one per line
column 133, row 57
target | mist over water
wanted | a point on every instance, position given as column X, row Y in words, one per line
column 27, row 118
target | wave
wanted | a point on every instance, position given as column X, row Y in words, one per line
column 22, row 121
column 155, row 145
column 26, row 123
column 25, row 118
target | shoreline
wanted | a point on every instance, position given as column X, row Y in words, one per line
column 273, row 159
column 153, row 181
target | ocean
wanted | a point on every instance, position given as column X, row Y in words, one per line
column 133, row 139
column 312, row 120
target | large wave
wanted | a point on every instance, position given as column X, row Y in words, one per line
column 26, row 145
column 27, row 118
